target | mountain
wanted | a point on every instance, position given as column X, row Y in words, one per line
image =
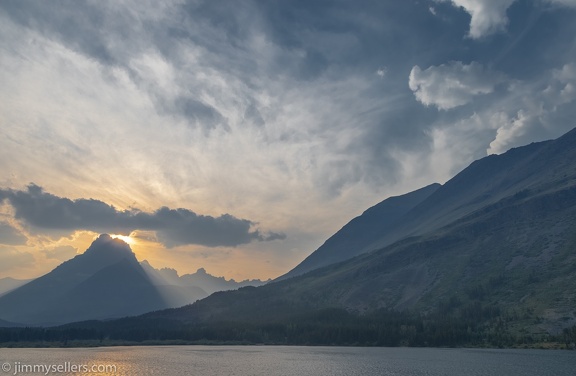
column 212, row 284
column 360, row 233
column 8, row 284
column 483, row 183
column 490, row 254
column 168, row 284
column 487, row 259
column 201, row 280
column 104, row 282
column 8, row 324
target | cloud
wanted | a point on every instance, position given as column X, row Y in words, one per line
column 61, row 253
column 487, row 16
column 44, row 212
column 11, row 259
column 451, row 85
column 536, row 109
column 567, row 3
column 11, row 236
column 381, row 72
column 543, row 110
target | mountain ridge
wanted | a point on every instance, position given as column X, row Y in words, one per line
column 8, row 284
column 493, row 263
column 450, row 201
column 64, row 294
column 379, row 218
column 105, row 282
column 511, row 253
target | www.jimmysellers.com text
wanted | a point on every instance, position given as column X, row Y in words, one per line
column 19, row 368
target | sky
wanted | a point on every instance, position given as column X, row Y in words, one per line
column 238, row 136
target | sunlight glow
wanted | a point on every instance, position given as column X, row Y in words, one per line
column 127, row 239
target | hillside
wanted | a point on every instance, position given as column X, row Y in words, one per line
column 489, row 258
column 8, row 284
column 510, row 248
column 360, row 233
column 104, row 282
column 519, row 254
column 543, row 165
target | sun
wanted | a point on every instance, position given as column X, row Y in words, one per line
column 127, row 239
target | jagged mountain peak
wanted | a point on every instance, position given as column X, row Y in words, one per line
column 106, row 243
column 104, row 251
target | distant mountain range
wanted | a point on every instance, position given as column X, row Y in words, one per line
column 106, row 281
column 201, row 280
column 8, row 284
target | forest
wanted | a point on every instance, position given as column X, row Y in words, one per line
column 452, row 325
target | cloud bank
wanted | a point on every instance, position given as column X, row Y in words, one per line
column 44, row 212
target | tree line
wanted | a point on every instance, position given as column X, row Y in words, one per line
column 453, row 325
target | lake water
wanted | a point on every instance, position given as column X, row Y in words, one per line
column 280, row 360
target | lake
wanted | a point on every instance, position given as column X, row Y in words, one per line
column 282, row 360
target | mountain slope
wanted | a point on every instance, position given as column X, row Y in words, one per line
column 510, row 251
column 212, row 284
column 498, row 269
column 104, row 282
column 201, row 282
column 8, row 324
column 355, row 237
column 484, row 182
column 8, row 284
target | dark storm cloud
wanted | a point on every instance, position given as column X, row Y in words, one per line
column 315, row 42
column 82, row 25
column 355, row 40
column 45, row 212
column 311, row 40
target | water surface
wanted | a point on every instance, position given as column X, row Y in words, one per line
column 281, row 360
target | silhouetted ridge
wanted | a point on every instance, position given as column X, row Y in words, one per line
column 358, row 234
column 492, row 253
column 546, row 165
column 105, row 281
column 105, row 244
column 104, row 251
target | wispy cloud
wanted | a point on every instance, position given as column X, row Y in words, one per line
column 296, row 115
column 451, row 85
